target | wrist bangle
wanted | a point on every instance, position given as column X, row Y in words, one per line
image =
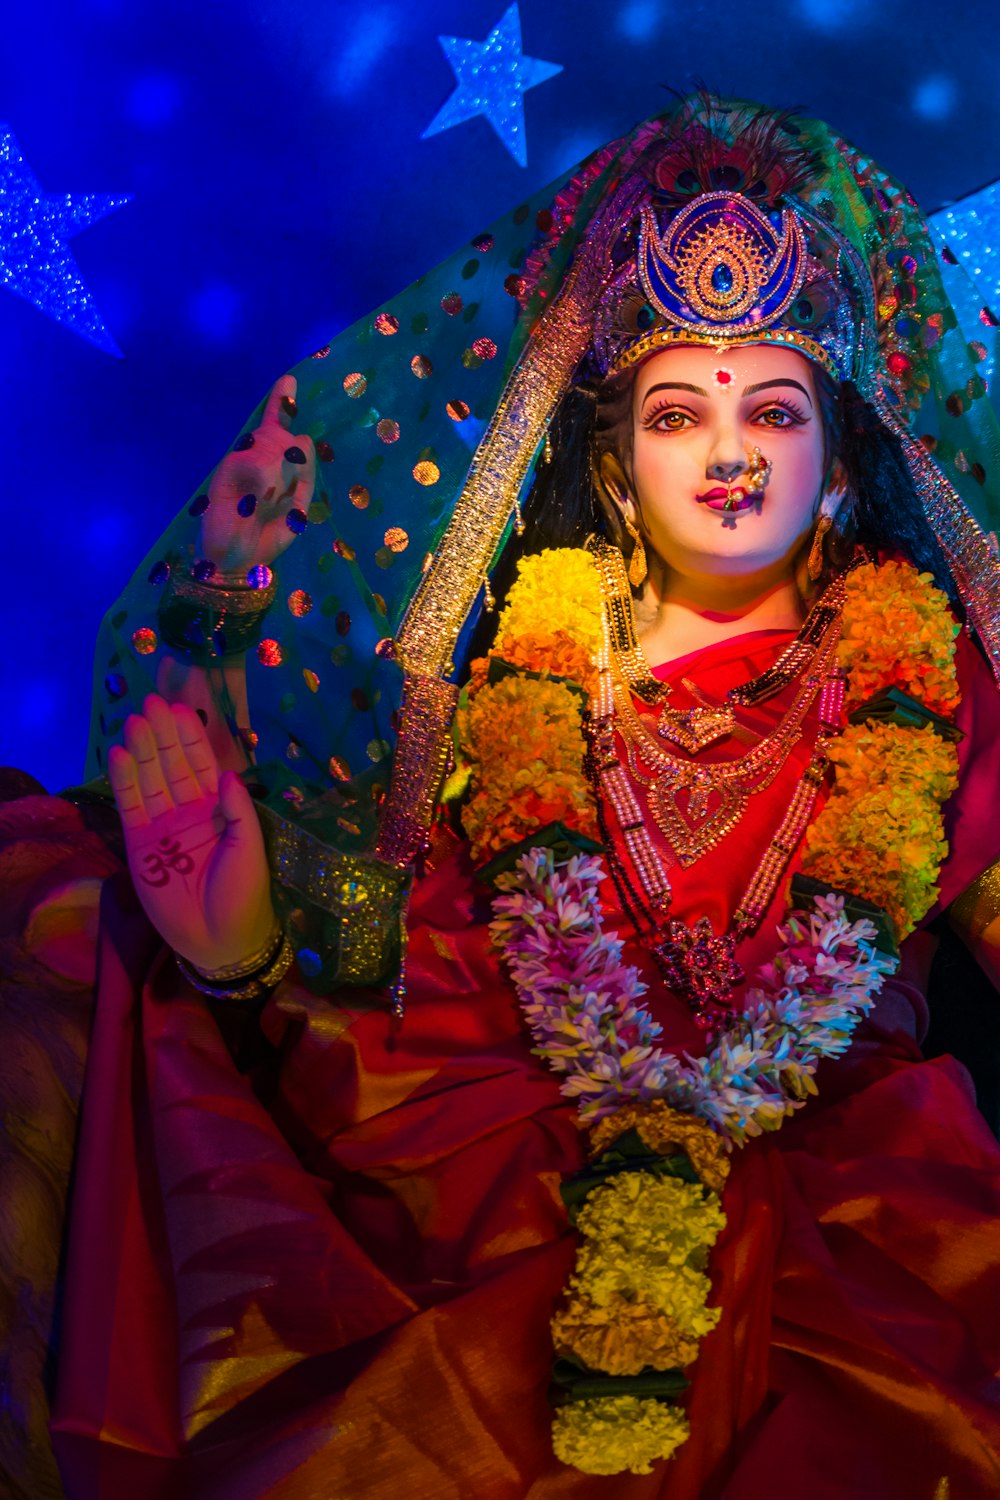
column 247, row 967
column 252, row 985
column 219, row 618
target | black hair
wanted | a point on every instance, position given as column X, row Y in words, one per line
column 563, row 507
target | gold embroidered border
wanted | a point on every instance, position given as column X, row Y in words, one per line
column 426, row 711
column 427, row 636
column 447, row 591
column 367, row 896
column 978, row 906
column 975, row 566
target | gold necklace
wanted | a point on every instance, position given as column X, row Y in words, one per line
column 694, row 729
column 697, row 963
column 695, row 805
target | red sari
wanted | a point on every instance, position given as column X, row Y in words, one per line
column 340, row 1285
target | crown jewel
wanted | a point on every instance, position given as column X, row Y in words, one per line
column 722, row 265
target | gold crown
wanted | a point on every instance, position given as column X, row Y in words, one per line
column 662, row 338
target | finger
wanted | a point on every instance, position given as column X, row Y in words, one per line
column 194, row 740
column 140, row 743
column 124, row 778
column 281, row 409
column 298, row 471
column 181, row 781
column 236, row 806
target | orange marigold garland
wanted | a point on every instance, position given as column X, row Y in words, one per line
column 898, row 633
column 518, row 728
column 521, row 738
column 881, row 833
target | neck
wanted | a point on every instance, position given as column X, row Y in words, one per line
column 676, row 614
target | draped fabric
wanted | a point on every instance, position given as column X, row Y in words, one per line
column 399, row 403
column 53, row 862
column 332, row 1273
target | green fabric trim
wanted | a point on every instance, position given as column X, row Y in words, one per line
column 573, row 1382
column 563, row 841
column 804, row 889
column 896, row 707
column 629, row 1153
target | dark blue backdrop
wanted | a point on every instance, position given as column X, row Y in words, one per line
column 281, row 184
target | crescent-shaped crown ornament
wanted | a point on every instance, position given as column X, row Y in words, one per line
column 722, row 266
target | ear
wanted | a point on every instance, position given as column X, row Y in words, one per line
column 615, row 487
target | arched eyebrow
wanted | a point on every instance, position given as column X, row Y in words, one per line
column 750, row 390
column 769, row 385
column 676, row 385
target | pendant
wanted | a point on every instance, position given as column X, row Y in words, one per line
column 696, row 812
column 694, row 729
column 700, row 966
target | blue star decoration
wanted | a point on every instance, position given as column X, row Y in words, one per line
column 34, row 260
column 493, row 77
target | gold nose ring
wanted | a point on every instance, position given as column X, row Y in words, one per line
column 758, row 472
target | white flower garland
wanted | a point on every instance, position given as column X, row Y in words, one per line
column 582, row 1004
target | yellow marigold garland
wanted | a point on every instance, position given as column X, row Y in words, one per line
column 556, row 591
column 898, row 632
column 637, row 1296
column 609, row 1434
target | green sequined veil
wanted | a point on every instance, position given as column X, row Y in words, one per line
column 435, row 408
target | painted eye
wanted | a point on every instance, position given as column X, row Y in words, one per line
column 670, row 421
column 775, row 416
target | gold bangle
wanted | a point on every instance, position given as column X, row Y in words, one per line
column 247, row 966
column 251, row 988
column 224, row 592
column 211, row 621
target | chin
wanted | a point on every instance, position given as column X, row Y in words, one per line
column 732, row 556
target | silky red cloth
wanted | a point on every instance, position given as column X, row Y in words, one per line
column 345, row 1291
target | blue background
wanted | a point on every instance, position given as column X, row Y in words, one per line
column 281, row 188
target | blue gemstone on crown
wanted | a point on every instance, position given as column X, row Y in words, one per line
column 722, row 278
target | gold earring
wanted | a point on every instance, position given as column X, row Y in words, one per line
column 637, row 567
column 815, row 565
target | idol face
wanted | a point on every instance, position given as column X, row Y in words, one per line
column 697, row 417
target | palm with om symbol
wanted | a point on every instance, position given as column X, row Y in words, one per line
column 193, row 840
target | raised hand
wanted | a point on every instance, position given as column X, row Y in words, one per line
column 260, row 493
column 194, row 844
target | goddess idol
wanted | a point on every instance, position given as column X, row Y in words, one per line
column 541, row 751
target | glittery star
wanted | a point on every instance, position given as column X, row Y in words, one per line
column 34, row 260
column 493, row 77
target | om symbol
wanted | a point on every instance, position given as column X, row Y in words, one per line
column 166, row 858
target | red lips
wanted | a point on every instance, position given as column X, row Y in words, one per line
column 732, row 500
